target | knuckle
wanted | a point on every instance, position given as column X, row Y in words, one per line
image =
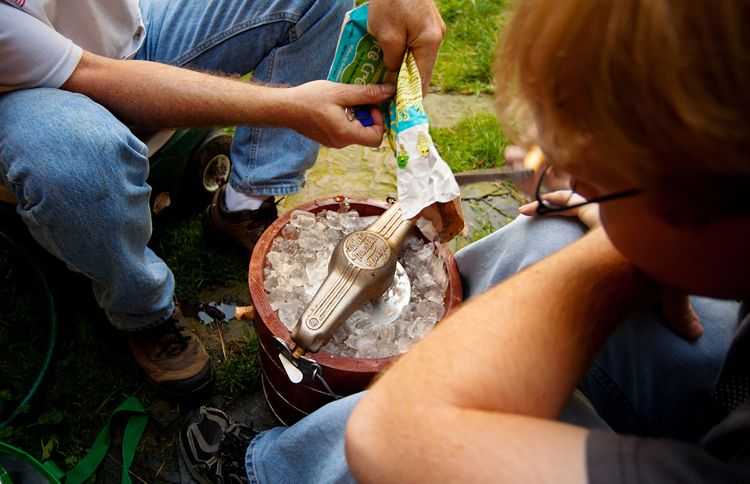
column 391, row 39
column 433, row 34
column 371, row 91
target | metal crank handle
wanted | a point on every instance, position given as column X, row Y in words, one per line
column 361, row 269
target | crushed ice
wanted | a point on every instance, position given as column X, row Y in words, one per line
column 297, row 264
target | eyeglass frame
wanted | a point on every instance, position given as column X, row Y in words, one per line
column 543, row 207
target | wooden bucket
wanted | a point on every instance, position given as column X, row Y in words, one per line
column 345, row 375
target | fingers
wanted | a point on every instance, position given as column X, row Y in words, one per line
column 354, row 133
column 426, row 51
column 402, row 24
column 528, row 209
column 365, row 95
column 377, row 116
column 393, row 42
column 679, row 315
column 560, row 197
column 368, row 94
column 588, row 214
column 370, row 136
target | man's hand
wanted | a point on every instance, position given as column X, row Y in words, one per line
column 679, row 315
column 675, row 306
column 441, row 221
column 318, row 111
column 416, row 24
column 588, row 214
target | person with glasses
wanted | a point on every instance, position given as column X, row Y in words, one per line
column 578, row 356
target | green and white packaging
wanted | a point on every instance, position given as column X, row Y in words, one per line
column 422, row 177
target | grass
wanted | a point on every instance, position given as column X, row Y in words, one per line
column 23, row 305
column 88, row 378
column 194, row 261
column 92, row 372
column 242, row 369
column 475, row 142
column 464, row 63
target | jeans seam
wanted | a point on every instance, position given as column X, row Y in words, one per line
column 250, row 469
column 619, row 396
column 236, row 29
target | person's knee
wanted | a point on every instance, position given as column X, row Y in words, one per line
column 62, row 145
column 512, row 248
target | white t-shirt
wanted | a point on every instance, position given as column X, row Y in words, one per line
column 41, row 41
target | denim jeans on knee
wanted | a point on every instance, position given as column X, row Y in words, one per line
column 281, row 42
column 310, row 451
column 79, row 176
column 646, row 380
column 79, row 173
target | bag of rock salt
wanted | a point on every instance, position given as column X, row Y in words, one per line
column 425, row 183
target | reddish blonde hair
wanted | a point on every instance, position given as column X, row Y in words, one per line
column 659, row 87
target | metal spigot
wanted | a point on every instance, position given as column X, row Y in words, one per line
column 361, row 269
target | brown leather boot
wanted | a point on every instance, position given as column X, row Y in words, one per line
column 244, row 227
column 173, row 358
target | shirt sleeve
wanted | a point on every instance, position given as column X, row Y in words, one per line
column 621, row 459
column 32, row 54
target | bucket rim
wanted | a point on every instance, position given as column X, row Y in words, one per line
column 271, row 320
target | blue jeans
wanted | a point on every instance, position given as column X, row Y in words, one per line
column 646, row 380
column 79, row 174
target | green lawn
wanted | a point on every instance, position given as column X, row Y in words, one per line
column 465, row 60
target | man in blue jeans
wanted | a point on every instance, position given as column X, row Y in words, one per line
column 77, row 78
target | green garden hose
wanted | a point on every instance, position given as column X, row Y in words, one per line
column 51, row 341
column 24, row 467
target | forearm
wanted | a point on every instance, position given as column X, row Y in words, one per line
column 519, row 349
column 152, row 95
column 157, row 95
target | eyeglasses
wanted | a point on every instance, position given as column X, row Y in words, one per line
column 546, row 206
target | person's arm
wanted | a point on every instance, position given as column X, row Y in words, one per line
column 149, row 94
column 474, row 401
column 416, row 24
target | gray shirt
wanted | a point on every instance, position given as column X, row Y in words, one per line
column 723, row 455
column 41, row 41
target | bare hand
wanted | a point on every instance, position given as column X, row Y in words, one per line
column 318, row 111
column 675, row 306
column 679, row 315
column 416, row 24
column 441, row 221
column 588, row 214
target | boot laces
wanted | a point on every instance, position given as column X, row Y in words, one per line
column 171, row 340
